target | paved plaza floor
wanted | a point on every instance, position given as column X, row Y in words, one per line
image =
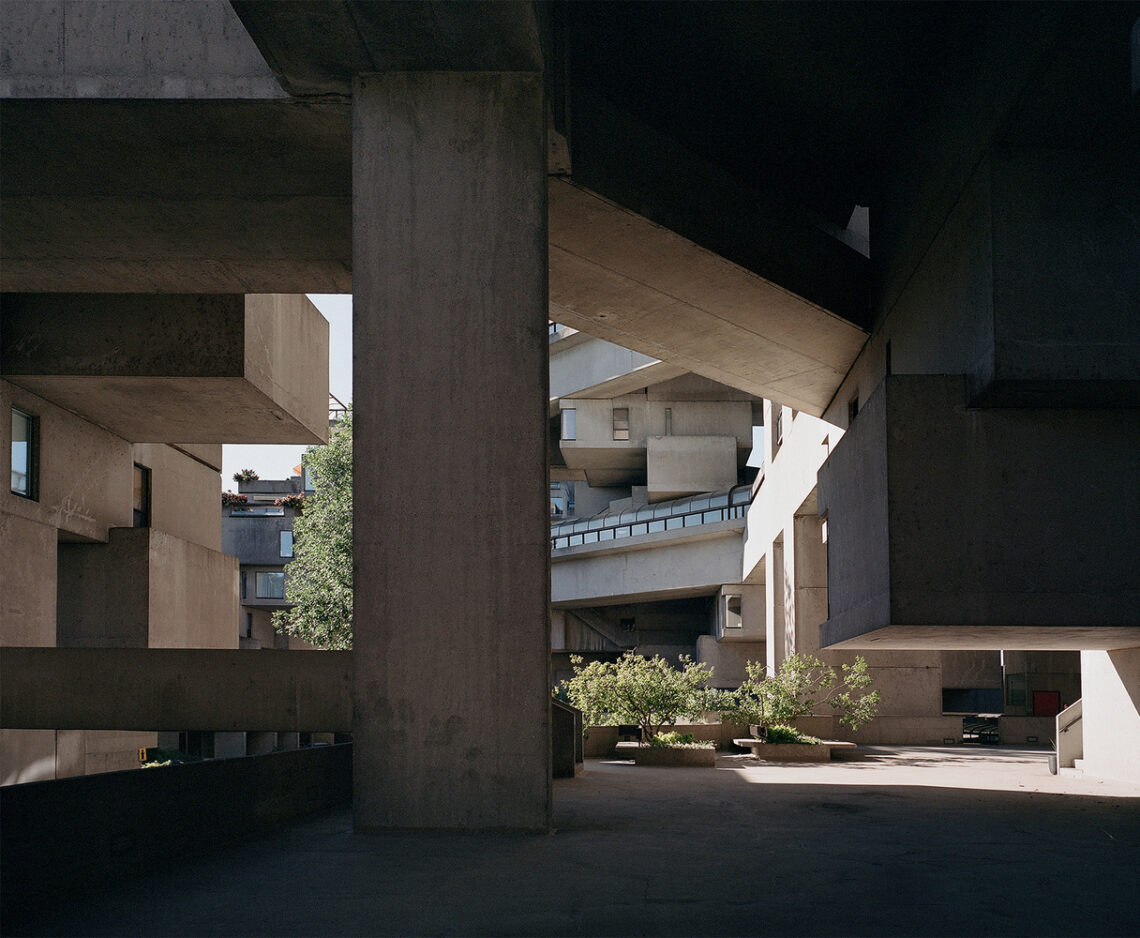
column 892, row 841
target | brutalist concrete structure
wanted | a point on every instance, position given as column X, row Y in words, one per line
column 678, row 179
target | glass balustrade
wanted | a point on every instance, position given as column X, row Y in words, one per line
column 653, row 519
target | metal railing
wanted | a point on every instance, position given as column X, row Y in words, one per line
column 652, row 519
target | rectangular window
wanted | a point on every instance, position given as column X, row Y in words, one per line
column 777, row 424
column 249, row 625
column 25, row 455
column 286, row 543
column 309, row 482
column 621, row 423
column 270, row 585
column 570, row 424
column 244, row 579
column 142, row 497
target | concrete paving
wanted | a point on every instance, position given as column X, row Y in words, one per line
column 890, row 841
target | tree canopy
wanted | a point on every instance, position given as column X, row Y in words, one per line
column 647, row 691
column 320, row 574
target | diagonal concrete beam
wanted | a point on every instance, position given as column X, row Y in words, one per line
column 620, row 277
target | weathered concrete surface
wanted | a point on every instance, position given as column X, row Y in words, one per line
column 175, row 689
column 648, row 567
column 619, row 277
column 979, row 548
column 891, row 843
column 146, row 588
column 451, row 631
column 84, row 487
column 181, row 485
column 211, row 367
column 689, row 465
column 179, row 49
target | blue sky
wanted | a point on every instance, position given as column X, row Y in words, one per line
column 277, row 462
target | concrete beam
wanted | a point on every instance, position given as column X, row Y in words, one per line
column 1010, row 538
column 160, row 368
column 175, row 689
column 649, row 567
column 620, row 277
column 317, row 48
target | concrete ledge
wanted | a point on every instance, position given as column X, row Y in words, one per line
column 792, row 752
column 77, row 832
column 175, row 689
column 662, row 756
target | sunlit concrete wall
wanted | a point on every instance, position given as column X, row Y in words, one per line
column 1111, row 696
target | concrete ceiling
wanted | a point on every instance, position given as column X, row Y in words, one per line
column 716, row 151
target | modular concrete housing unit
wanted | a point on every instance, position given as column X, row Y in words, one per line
column 686, row 181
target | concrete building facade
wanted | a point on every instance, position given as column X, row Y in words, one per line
column 110, row 538
column 680, row 180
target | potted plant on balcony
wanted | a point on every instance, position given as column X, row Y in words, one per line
column 233, row 499
column 246, row 475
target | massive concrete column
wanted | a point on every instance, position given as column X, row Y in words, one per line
column 452, row 637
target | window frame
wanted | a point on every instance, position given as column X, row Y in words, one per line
column 281, row 535
column 257, row 580
column 141, row 517
column 620, row 424
column 32, row 455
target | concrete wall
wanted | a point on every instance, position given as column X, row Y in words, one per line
column 180, row 488
column 245, row 369
column 63, row 835
column 657, row 566
column 175, row 689
column 85, row 483
column 728, row 659
column 256, row 539
column 146, row 588
column 193, row 595
column 979, row 537
column 186, row 48
column 589, row 363
column 27, row 581
column 688, row 465
column 1111, row 700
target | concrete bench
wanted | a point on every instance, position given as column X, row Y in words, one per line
column 792, row 752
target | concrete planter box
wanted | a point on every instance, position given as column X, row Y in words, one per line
column 664, row 756
column 793, row 752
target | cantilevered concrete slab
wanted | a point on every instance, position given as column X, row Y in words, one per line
column 1009, row 539
column 208, row 367
column 615, row 275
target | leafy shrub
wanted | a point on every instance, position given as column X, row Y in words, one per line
column 647, row 691
column 788, row 734
column 802, row 683
column 233, row 498
column 246, row 475
column 291, row 501
column 675, row 740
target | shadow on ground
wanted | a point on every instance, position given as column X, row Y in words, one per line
column 746, row 849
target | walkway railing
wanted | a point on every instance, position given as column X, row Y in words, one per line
column 1070, row 735
column 651, row 519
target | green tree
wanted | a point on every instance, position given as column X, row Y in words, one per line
column 647, row 691
column 320, row 574
column 802, row 684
